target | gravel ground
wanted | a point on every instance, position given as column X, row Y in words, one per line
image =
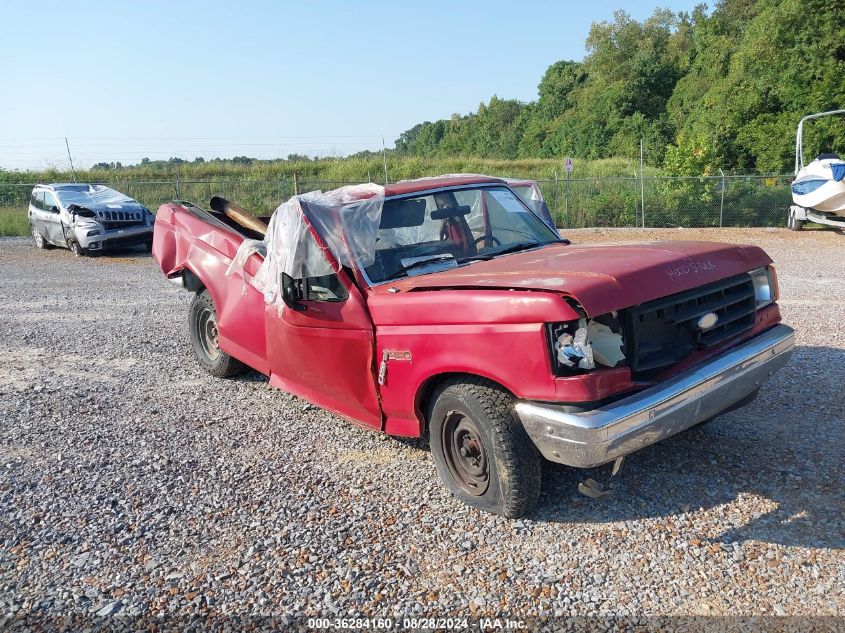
column 133, row 483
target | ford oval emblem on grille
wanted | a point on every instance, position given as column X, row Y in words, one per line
column 707, row 321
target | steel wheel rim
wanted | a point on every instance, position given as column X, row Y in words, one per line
column 39, row 239
column 465, row 454
column 208, row 335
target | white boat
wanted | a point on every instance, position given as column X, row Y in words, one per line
column 818, row 191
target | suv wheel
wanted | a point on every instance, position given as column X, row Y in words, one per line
column 480, row 449
column 202, row 324
column 76, row 249
column 38, row 239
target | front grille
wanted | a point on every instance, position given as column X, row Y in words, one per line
column 112, row 220
column 111, row 226
column 663, row 332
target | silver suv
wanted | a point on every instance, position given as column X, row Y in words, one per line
column 87, row 219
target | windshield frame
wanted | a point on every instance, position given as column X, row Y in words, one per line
column 483, row 185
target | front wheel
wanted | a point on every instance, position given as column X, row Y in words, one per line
column 202, row 324
column 480, row 448
column 76, row 249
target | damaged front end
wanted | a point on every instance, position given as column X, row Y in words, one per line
column 587, row 344
column 94, row 230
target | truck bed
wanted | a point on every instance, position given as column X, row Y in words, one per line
column 195, row 247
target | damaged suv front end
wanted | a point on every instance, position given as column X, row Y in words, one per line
column 88, row 218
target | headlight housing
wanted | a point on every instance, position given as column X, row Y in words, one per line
column 581, row 346
column 765, row 286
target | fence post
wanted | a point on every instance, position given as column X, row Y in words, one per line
column 722, row 204
column 642, row 182
column 295, row 185
column 178, row 195
column 566, row 200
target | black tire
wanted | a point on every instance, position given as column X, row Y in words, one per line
column 38, row 239
column 75, row 248
column 148, row 246
column 481, row 451
column 792, row 224
column 202, row 325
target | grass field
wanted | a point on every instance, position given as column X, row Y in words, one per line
column 13, row 221
column 604, row 192
column 262, row 185
column 337, row 169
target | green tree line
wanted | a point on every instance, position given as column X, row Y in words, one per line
column 723, row 89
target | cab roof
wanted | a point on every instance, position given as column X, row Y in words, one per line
column 425, row 184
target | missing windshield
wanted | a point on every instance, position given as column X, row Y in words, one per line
column 431, row 232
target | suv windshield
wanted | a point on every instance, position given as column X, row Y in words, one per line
column 85, row 195
column 446, row 228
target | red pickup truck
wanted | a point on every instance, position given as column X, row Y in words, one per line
column 448, row 306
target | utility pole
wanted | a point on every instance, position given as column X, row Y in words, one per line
column 384, row 156
column 72, row 170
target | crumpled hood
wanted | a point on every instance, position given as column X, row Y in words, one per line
column 600, row 277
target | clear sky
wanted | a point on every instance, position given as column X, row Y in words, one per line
column 124, row 80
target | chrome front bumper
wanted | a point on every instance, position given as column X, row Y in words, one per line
column 600, row 435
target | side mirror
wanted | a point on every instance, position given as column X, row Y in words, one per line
column 293, row 291
column 53, row 209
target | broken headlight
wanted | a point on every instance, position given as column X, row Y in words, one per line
column 765, row 286
column 586, row 344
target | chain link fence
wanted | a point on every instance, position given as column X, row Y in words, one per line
column 706, row 201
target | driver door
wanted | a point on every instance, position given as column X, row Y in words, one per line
column 324, row 353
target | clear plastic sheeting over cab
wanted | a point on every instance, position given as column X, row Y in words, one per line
column 346, row 221
column 346, row 230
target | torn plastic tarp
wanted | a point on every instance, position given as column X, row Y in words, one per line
column 346, row 220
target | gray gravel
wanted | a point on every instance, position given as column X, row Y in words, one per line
column 132, row 483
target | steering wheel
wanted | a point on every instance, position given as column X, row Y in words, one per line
column 493, row 239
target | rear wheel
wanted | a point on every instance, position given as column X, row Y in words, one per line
column 202, row 324
column 38, row 239
column 481, row 451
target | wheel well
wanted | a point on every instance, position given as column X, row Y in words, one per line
column 431, row 383
column 191, row 281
